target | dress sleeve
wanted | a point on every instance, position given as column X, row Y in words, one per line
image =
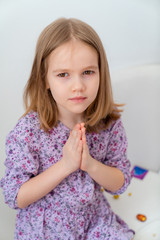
column 21, row 163
column 117, row 153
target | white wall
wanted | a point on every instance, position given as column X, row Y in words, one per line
column 129, row 30
column 139, row 88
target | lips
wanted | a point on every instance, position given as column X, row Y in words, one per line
column 78, row 99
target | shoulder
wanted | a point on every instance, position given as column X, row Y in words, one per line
column 117, row 133
column 117, row 124
column 27, row 126
column 114, row 125
column 30, row 119
column 115, row 130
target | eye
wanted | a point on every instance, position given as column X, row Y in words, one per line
column 62, row 75
column 88, row 72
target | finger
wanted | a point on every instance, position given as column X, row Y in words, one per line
column 82, row 125
column 80, row 146
column 85, row 146
column 74, row 133
column 76, row 139
column 71, row 138
column 76, row 127
column 83, row 134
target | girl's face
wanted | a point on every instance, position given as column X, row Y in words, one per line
column 73, row 77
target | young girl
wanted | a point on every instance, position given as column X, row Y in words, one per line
column 69, row 143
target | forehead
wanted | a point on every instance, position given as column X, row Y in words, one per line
column 73, row 54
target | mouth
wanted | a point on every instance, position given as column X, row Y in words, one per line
column 78, row 99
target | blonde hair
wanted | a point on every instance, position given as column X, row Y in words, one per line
column 38, row 98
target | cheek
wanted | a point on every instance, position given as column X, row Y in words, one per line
column 95, row 87
column 95, row 91
column 54, row 95
column 58, row 92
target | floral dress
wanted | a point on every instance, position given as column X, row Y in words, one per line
column 75, row 209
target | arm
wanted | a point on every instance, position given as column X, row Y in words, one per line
column 40, row 185
column 110, row 178
column 21, row 184
column 113, row 174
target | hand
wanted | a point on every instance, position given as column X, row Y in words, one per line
column 87, row 160
column 72, row 150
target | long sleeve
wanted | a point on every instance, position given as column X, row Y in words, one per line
column 117, row 153
column 21, row 162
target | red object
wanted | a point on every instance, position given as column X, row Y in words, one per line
column 141, row 217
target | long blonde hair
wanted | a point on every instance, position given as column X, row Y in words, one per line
column 38, row 98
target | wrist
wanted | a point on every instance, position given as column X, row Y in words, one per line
column 65, row 167
column 92, row 166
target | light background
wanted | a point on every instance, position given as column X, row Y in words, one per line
column 129, row 30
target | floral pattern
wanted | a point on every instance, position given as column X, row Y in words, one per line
column 76, row 209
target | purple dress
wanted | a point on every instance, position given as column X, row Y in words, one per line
column 76, row 209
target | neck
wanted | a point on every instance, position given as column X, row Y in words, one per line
column 70, row 121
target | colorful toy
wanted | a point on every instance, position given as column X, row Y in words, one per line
column 139, row 172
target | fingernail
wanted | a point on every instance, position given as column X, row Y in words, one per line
column 82, row 124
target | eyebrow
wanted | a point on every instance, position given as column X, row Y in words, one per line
column 66, row 70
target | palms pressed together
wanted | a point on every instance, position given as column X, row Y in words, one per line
column 75, row 151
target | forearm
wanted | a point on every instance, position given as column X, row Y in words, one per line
column 112, row 179
column 40, row 185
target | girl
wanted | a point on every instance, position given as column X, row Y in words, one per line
column 69, row 142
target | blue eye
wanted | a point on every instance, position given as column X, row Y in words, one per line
column 62, row 75
column 88, row 72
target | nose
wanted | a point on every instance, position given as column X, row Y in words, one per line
column 78, row 84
